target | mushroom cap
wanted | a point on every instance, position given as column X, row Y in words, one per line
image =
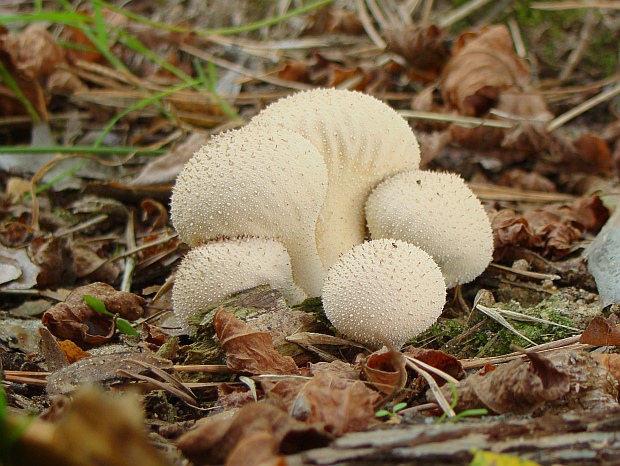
column 214, row 271
column 438, row 213
column 383, row 291
column 362, row 141
column 251, row 182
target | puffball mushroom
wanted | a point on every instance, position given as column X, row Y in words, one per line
column 362, row 141
column 214, row 271
column 251, row 182
column 438, row 213
column 383, row 291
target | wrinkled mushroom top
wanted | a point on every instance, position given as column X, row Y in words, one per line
column 362, row 141
column 438, row 213
column 383, row 291
column 252, row 182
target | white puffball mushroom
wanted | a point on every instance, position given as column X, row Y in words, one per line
column 216, row 270
column 438, row 213
column 383, row 291
column 253, row 182
column 362, row 141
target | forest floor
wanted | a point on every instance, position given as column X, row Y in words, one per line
column 103, row 103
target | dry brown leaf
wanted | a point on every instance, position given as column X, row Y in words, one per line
column 72, row 351
column 424, row 47
column 233, row 396
column 339, row 404
column 517, row 387
column 75, row 320
column 333, row 21
column 594, row 155
column 552, row 229
column 532, row 181
column 601, row 332
column 439, row 360
column 33, row 53
column 55, row 258
column 96, row 428
column 611, row 362
column 480, row 69
column 248, row 350
column 380, row 370
column 214, row 439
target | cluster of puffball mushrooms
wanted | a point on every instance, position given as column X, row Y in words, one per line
column 289, row 200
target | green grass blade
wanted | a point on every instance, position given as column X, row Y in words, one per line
column 12, row 84
column 4, row 150
column 141, row 104
column 220, row 31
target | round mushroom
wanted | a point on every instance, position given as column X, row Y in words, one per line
column 362, row 141
column 218, row 269
column 438, row 213
column 251, row 182
column 383, row 291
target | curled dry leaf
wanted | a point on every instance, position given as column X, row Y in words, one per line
column 233, row 396
column 483, row 65
column 439, row 360
column 601, row 332
column 248, row 350
column 532, row 181
column 340, row 405
column 75, row 320
column 424, row 47
column 33, row 53
column 268, row 429
column 54, row 256
column 553, row 383
column 385, row 370
column 552, row 229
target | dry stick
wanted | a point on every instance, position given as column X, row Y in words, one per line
column 405, row 10
column 241, row 70
column 470, row 121
column 427, row 8
column 461, row 12
column 378, row 14
column 584, row 38
column 583, row 107
column 415, row 364
column 557, row 6
column 515, row 32
column 130, row 262
column 367, row 24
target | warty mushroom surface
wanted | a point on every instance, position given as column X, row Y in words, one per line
column 254, row 182
column 438, row 213
column 218, row 269
column 383, row 291
column 362, row 141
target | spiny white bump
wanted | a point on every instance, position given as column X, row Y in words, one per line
column 438, row 213
column 251, row 182
column 216, row 270
column 383, row 291
column 362, row 141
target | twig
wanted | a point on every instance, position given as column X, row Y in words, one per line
column 584, row 107
column 461, row 12
column 427, row 7
column 368, row 26
column 557, row 6
column 416, row 365
column 130, row 262
column 584, row 38
column 517, row 39
column 378, row 14
column 471, row 121
column 241, row 70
